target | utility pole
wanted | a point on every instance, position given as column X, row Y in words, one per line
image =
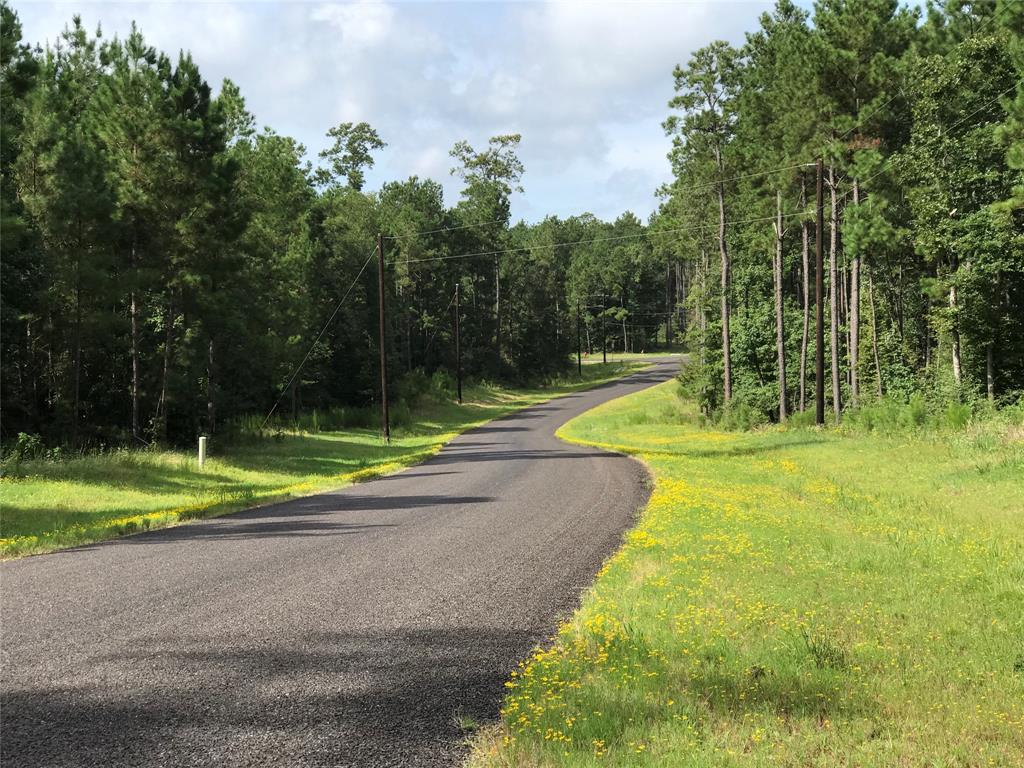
column 458, row 345
column 604, row 335
column 819, row 308
column 579, row 348
column 383, row 346
column 668, row 305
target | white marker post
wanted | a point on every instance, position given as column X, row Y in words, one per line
column 202, row 451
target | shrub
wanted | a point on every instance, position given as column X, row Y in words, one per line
column 26, row 448
column 442, row 384
column 916, row 413
column 739, row 415
column 700, row 383
column 958, row 415
column 412, row 385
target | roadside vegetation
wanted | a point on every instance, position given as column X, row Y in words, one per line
column 792, row 597
column 53, row 499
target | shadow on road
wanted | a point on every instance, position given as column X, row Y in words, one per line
column 323, row 699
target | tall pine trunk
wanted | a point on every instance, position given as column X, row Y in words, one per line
column 955, row 325
column 805, row 243
column 874, row 336
column 668, row 305
column 497, row 307
column 990, row 373
column 134, row 311
column 724, row 252
column 211, row 406
column 77, row 383
column 683, row 277
column 703, row 319
column 855, row 315
column 833, row 272
column 162, row 403
column 780, row 331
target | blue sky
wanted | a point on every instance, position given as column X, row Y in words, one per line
column 586, row 84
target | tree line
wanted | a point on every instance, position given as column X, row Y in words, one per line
column 168, row 266
column 920, row 126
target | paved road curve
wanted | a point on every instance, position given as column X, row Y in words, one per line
column 349, row 628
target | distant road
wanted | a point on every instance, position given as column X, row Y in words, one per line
column 348, row 628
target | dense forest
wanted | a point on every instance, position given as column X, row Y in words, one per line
column 920, row 126
column 168, row 266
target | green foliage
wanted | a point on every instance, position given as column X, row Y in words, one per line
column 169, row 266
column 919, row 129
column 350, row 154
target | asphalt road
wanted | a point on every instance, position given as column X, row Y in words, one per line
column 343, row 629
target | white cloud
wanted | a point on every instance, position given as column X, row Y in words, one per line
column 362, row 25
column 585, row 83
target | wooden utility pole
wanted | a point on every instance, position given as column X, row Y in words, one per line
column 579, row 343
column 383, row 345
column 604, row 334
column 819, row 292
column 668, row 305
column 458, row 345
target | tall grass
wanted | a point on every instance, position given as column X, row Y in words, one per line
column 792, row 598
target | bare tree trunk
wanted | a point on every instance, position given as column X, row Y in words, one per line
column 682, row 291
column 161, row 406
column 723, row 251
column 497, row 306
column 833, row 270
column 805, row 238
column 990, row 373
column 855, row 315
column 134, row 310
column 408, row 343
column 33, row 373
column 780, row 332
column 51, row 375
column 668, row 305
column 955, row 325
column 844, row 311
column 874, row 336
column 78, row 347
column 703, row 305
column 211, row 407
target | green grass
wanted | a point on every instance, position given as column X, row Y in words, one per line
column 47, row 505
column 790, row 598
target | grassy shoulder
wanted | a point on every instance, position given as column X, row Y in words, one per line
column 790, row 598
column 48, row 505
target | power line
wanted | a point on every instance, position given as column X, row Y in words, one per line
column 687, row 189
column 746, row 176
column 446, row 229
column 438, row 328
column 955, row 125
column 861, row 119
column 588, row 241
column 317, row 339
